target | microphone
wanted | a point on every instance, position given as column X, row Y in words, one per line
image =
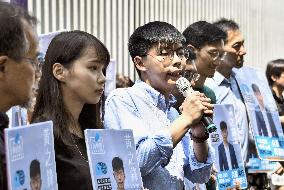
column 184, row 87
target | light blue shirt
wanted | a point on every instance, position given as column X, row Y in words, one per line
column 227, row 92
column 144, row 110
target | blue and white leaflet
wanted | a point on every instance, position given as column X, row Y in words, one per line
column 226, row 142
column 107, row 150
column 30, row 157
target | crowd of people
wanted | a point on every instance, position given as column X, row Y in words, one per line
column 172, row 146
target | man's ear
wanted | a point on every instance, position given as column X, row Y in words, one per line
column 59, row 72
column 273, row 78
column 3, row 61
column 189, row 46
column 139, row 64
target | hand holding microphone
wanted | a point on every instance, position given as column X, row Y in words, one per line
column 199, row 105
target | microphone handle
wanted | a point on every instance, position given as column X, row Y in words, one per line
column 208, row 122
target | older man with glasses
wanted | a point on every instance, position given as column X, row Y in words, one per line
column 227, row 91
column 224, row 83
column 18, row 59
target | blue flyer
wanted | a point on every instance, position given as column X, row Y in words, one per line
column 30, row 157
column 112, row 159
column 226, row 142
column 262, row 112
column 255, row 165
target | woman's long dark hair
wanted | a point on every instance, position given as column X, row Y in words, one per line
column 65, row 48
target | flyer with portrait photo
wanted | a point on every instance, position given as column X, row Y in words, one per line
column 226, row 142
column 30, row 157
column 262, row 112
column 112, row 159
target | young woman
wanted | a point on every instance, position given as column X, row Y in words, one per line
column 72, row 83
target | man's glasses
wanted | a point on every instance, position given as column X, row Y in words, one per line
column 37, row 62
column 166, row 55
column 215, row 55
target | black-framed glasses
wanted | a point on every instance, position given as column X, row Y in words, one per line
column 166, row 55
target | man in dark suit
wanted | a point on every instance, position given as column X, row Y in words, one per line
column 259, row 110
column 227, row 155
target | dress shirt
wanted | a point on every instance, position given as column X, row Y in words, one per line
column 145, row 110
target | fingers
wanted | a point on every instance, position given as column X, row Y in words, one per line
column 195, row 105
column 208, row 108
column 198, row 100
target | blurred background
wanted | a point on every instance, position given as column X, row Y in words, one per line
column 113, row 21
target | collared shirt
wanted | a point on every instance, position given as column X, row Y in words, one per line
column 227, row 92
column 144, row 110
column 18, row 116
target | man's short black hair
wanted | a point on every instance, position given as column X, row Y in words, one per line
column 34, row 168
column 201, row 33
column 226, row 24
column 274, row 68
column 13, row 42
column 144, row 37
column 117, row 164
column 223, row 125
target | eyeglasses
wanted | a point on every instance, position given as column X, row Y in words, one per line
column 37, row 62
column 191, row 75
column 166, row 55
column 215, row 55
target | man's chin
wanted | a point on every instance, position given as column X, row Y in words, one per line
column 239, row 64
column 28, row 104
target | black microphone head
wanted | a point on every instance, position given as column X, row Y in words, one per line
column 183, row 86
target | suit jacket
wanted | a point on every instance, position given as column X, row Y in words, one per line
column 223, row 163
column 260, row 122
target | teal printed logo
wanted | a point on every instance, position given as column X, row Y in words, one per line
column 97, row 144
column 101, row 168
column 16, row 146
column 19, row 178
column 97, row 137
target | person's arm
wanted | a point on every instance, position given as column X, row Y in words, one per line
column 153, row 148
column 195, row 171
column 199, row 156
column 201, row 151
